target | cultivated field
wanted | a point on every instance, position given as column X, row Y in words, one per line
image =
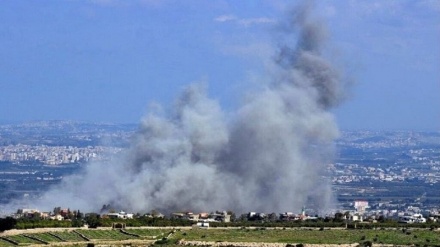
column 83, row 237
column 315, row 236
column 224, row 237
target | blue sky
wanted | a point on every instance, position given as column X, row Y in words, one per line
column 108, row 60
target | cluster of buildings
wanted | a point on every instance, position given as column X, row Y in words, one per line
column 348, row 173
column 55, row 155
column 408, row 214
column 204, row 217
column 65, row 214
column 381, row 139
column 61, row 214
column 360, row 213
column 387, row 157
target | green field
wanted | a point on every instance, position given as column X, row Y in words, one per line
column 105, row 235
column 74, row 237
column 67, row 236
column 314, row 236
column 147, row 233
column 413, row 237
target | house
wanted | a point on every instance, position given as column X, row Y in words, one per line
column 202, row 224
column 154, row 214
column 409, row 219
column 58, row 217
column 356, row 217
column 120, row 215
column 220, row 217
column 44, row 215
column 287, row 216
column 252, row 216
column 27, row 213
column 65, row 212
column 185, row 216
column 205, row 217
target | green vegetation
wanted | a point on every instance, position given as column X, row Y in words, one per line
column 21, row 239
column 39, row 223
column 94, row 235
column 69, row 236
column 314, row 236
column 45, row 237
column 94, row 220
column 290, row 236
column 7, row 223
column 105, row 235
column 4, row 243
column 148, row 233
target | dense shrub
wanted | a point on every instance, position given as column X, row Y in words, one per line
column 7, row 224
column 367, row 244
column 39, row 223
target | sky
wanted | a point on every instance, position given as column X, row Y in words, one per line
column 113, row 60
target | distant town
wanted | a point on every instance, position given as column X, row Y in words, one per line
column 393, row 174
column 56, row 155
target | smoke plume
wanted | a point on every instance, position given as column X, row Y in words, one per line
column 269, row 157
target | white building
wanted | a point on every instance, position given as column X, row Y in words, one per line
column 120, row 215
column 415, row 218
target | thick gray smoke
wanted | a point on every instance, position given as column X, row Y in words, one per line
column 270, row 157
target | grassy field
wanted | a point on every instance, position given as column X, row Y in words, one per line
column 72, row 238
column 67, row 236
column 105, row 235
column 413, row 237
column 315, row 236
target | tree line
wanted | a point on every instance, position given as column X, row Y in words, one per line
column 94, row 220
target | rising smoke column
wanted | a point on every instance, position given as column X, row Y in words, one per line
column 283, row 136
column 270, row 157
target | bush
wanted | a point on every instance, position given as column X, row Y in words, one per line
column 367, row 244
column 7, row 224
column 162, row 241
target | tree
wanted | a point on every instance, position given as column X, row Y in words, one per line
column 79, row 215
column 381, row 218
column 7, row 223
column 272, row 217
column 339, row 217
column 36, row 216
column 56, row 210
column 77, row 223
column 93, row 220
column 232, row 214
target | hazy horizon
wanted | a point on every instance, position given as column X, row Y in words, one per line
column 109, row 61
